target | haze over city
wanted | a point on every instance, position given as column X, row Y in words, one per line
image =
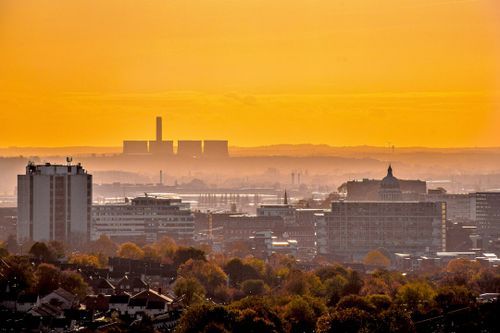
column 320, row 166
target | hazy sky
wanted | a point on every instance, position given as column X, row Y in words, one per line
column 352, row 72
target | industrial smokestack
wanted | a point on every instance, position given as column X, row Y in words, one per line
column 158, row 129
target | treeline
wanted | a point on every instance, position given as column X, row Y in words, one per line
column 222, row 293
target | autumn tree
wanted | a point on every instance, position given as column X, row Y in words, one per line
column 209, row 274
column 84, row 260
column 206, row 315
column 42, row 252
column 299, row 316
column 130, row 250
column 57, row 248
column 48, row 278
column 165, row 247
column 183, row 254
column 103, row 245
column 238, row 271
column 376, row 258
column 74, row 283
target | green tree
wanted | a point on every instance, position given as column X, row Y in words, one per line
column 416, row 295
column 300, row 316
column 190, row 290
column 254, row 287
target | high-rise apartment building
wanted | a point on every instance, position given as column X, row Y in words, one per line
column 488, row 216
column 54, row 203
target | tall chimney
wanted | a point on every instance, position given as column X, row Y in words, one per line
column 158, row 129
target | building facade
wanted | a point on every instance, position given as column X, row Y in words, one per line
column 390, row 188
column 352, row 229
column 488, row 217
column 54, row 203
column 143, row 220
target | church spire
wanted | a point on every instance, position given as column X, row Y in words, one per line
column 285, row 200
column 389, row 171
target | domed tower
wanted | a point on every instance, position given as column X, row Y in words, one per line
column 389, row 187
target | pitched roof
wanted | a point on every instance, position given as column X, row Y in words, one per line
column 65, row 294
column 103, row 284
column 133, row 283
column 152, row 296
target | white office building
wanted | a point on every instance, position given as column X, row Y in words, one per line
column 143, row 220
column 54, row 203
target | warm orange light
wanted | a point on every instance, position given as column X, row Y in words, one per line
column 92, row 72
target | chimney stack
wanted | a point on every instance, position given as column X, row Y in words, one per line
column 158, row 129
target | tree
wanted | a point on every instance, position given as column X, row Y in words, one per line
column 254, row 287
column 74, row 283
column 104, row 245
column 57, row 248
column 238, row 271
column 299, row 316
column 190, row 290
column 298, row 282
column 151, row 253
column 48, row 278
column 84, row 260
column 166, row 247
column 350, row 320
column 130, row 250
column 355, row 301
column 255, row 315
column 461, row 272
column 334, row 289
column 415, row 295
column 183, row 254
column 205, row 315
column 209, row 274
column 354, row 283
column 453, row 297
column 42, row 252
column 17, row 272
column 3, row 251
column 376, row 258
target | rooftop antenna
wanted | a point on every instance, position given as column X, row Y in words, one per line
column 69, row 159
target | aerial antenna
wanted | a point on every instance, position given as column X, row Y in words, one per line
column 69, row 159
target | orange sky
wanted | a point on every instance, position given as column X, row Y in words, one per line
column 351, row 72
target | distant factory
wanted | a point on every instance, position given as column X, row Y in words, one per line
column 185, row 148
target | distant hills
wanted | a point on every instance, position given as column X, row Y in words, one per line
column 298, row 150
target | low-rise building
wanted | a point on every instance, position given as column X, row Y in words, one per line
column 143, row 220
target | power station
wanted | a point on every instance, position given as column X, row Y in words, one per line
column 185, row 148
